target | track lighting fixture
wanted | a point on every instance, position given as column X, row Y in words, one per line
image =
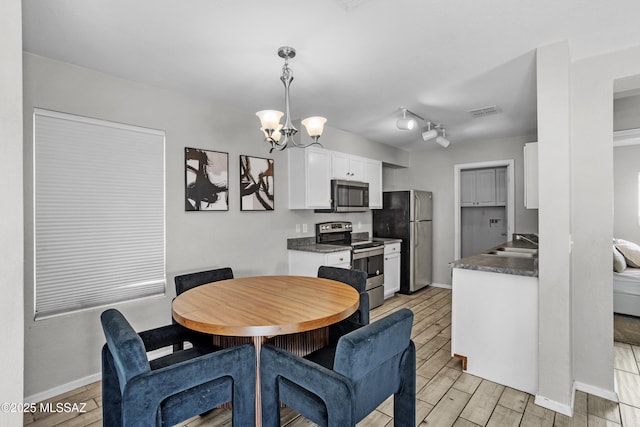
column 428, row 133
column 406, row 123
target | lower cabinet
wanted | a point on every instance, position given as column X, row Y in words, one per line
column 494, row 327
column 391, row 269
column 302, row 263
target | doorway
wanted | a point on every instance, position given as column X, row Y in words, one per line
column 479, row 221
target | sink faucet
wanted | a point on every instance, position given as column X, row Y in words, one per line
column 521, row 237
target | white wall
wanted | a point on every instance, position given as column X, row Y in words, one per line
column 433, row 169
column 554, row 324
column 65, row 349
column 11, row 249
column 592, row 190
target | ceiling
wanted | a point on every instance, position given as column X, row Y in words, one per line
column 357, row 63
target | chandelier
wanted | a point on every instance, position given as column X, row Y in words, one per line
column 280, row 136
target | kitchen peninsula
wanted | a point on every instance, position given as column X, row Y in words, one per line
column 495, row 314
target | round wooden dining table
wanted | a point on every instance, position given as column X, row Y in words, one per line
column 264, row 306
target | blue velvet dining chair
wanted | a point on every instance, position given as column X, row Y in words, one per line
column 371, row 364
column 358, row 280
column 185, row 282
column 175, row 387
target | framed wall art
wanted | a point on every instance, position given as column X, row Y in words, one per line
column 256, row 184
column 206, row 180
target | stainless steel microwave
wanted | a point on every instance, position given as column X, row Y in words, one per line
column 348, row 196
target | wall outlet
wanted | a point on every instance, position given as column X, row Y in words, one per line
column 297, row 228
column 304, row 228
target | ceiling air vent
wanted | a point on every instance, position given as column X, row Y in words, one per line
column 485, row 111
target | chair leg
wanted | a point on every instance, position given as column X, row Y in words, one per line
column 111, row 397
column 404, row 401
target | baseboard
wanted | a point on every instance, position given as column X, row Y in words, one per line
column 597, row 391
column 441, row 285
column 561, row 408
column 81, row 382
column 63, row 388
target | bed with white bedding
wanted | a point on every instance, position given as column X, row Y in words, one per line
column 626, row 277
column 626, row 292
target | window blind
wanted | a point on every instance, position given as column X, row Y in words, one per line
column 99, row 212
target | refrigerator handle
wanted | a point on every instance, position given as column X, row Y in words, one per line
column 416, row 206
column 415, row 235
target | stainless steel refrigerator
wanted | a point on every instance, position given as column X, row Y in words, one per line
column 408, row 215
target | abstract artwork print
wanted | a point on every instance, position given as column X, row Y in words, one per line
column 256, row 184
column 206, row 180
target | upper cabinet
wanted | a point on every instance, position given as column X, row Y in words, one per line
column 531, row 175
column 373, row 175
column 309, row 178
column 312, row 169
column 483, row 187
column 346, row 166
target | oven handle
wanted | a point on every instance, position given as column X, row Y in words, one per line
column 367, row 252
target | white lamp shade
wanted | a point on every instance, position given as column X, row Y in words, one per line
column 429, row 134
column 406, row 124
column 314, row 125
column 270, row 119
column 443, row 141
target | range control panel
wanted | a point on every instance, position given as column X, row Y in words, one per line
column 334, row 227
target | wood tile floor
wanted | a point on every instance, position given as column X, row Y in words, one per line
column 445, row 395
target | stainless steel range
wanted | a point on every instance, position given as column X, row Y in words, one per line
column 366, row 255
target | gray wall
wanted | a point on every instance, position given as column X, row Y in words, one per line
column 66, row 349
column 433, row 169
column 11, row 236
column 626, row 113
column 626, row 170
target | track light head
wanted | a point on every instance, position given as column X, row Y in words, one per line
column 406, row 123
column 442, row 140
column 428, row 134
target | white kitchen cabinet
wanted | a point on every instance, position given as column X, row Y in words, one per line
column 531, row 175
column 494, row 326
column 346, row 166
column 309, row 178
column 391, row 269
column 483, row 187
column 303, row 263
column 373, row 175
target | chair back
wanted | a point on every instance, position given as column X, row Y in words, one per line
column 372, row 357
column 187, row 281
column 354, row 278
column 125, row 345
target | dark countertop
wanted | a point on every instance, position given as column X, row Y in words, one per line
column 387, row 240
column 308, row 244
column 501, row 264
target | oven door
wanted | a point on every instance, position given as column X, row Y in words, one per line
column 349, row 196
column 370, row 260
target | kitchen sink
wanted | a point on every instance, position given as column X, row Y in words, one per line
column 514, row 252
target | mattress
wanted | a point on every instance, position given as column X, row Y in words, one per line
column 627, row 282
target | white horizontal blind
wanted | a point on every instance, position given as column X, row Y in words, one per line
column 99, row 213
